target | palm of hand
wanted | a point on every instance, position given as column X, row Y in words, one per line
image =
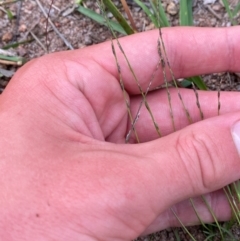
column 78, row 185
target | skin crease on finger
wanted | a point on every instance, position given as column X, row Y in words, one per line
column 66, row 183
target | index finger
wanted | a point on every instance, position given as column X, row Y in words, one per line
column 190, row 50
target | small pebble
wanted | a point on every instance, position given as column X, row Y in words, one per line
column 172, row 8
column 7, row 37
column 216, row 7
column 88, row 40
column 22, row 28
column 21, row 51
column 238, row 87
column 209, row 1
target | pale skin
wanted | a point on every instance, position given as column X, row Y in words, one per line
column 65, row 172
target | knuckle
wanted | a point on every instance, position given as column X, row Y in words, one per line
column 198, row 154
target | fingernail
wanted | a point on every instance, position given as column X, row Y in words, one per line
column 236, row 135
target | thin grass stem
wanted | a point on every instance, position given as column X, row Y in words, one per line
column 124, row 91
column 183, row 226
column 197, row 101
column 213, row 215
column 166, row 83
column 121, row 20
column 136, row 80
column 228, row 195
column 120, row 75
column 53, row 26
column 197, row 214
column 141, row 103
column 218, row 96
column 173, row 78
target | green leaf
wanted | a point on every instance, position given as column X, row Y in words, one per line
column 230, row 13
column 159, row 13
column 16, row 59
column 186, row 17
column 9, row 14
column 100, row 19
column 236, row 10
column 197, row 80
column 163, row 17
column 148, row 12
column 119, row 17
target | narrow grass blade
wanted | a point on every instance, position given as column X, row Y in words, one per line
column 230, row 13
column 9, row 14
column 176, row 235
column 101, row 20
column 230, row 197
column 162, row 15
column 236, row 186
column 213, row 215
column 121, row 20
column 236, row 10
column 211, row 234
column 197, row 214
column 198, row 81
column 148, row 12
column 183, row 226
column 159, row 13
column 186, row 18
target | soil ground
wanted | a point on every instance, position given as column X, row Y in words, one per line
column 29, row 24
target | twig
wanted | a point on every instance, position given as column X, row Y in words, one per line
column 128, row 12
column 7, row 62
column 38, row 41
column 213, row 12
column 53, row 26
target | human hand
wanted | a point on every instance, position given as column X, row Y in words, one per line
column 65, row 171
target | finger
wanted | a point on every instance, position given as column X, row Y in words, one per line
column 191, row 51
column 189, row 212
column 160, row 108
column 96, row 76
column 188, row 163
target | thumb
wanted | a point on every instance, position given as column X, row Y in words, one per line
column 196, row 160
